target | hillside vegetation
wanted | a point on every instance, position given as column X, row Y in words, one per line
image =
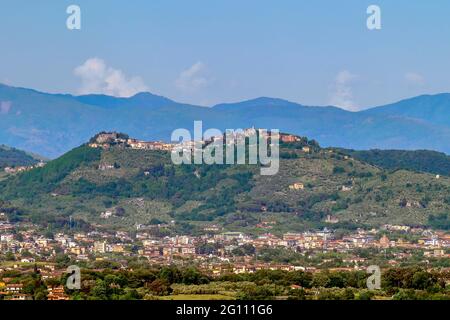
column 144, row 187
column 10, row 157
column 419, row 160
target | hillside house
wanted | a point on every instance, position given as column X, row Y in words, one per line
column 179, row 250
column 104, row 167
column 297, row 186
column 211, row 228
column 306, row 149
column 106, row 215
column 289, row 138
column 14, row 288
column 109, row 137
column 22, row 297
column 100, row 247
column 331, row 219
column 57, row 293
column 150, row 145
column 346, row 188
column 384, row 242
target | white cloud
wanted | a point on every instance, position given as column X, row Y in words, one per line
column 342, row 95
column 414, row 79
column 5, row 107
column 97, row 77
column 192, row 79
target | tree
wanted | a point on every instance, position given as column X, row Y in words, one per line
column 365, row 295
column 423, row 280
column 348, row 294
column 62, row 260
column 35, row 287
column 41, row 294
column 405, row 294
column 193, row 276
column 26, row 254
column 100, row 290
column 297, row 294
column 49, row 234
column 244, row 250
column 9, row 256
column 170, row 274
column 160, row 287
column 321, row 279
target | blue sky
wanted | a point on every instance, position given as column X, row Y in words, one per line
column 204, row 52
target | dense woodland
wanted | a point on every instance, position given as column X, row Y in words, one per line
column 230, row 195
column 419, row 160
column 10, row 157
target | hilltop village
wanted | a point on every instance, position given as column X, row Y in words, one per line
column 106, row 140
column 18, row 169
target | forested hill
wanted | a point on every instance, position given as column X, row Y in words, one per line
column 419, row 161
column 143, row 187
column 10, row 157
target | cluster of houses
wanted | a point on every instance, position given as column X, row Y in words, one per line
column 106, row 140
column 10, row 290
column 18, row 169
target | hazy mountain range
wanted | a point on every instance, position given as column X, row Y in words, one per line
column 51, row 124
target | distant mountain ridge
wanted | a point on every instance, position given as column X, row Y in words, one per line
column 52, row 124
column 418, row 108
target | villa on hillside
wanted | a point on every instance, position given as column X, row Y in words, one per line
column 297, row 186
